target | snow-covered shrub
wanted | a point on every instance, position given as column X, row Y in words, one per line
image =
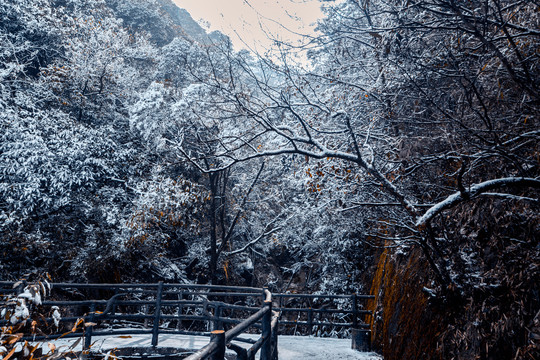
column 20, row 312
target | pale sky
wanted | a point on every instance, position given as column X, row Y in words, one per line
column 246, row 17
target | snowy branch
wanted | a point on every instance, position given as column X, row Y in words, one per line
column 478, row 189
column 253, row 242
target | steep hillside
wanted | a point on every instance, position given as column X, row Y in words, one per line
column 161, row 18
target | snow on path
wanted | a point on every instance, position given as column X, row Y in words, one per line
column 304, row 348
column 289, row 347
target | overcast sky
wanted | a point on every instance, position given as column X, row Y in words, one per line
column 246, row 17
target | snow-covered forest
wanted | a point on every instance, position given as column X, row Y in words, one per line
column 401, row 160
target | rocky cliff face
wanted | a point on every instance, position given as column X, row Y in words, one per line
column 163, row 20
column 492, row 313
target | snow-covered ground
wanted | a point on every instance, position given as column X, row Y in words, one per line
column 304, row 348
column 289, row 347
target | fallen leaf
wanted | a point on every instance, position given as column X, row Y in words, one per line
column 77, row 323
column 14, row 338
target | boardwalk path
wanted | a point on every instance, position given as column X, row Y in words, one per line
column 290, row 347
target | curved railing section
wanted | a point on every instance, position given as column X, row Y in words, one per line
column 193, row 309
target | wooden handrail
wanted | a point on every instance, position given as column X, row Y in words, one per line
column 322, row 296
column 240, row 328
column 213, row 349
column 328, row 311
column 323, row 323
column 215, row 294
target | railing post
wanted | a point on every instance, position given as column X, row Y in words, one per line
column 354, row 311
column 266, row 349
column 217, row 314
column 88, row 330
column 275, row 330
column 114, row 303
column 206, row 314
column 218, row 337
column 180, row 310
column 361, row 338
column 146, row 310
column 157, row 314
column 310, row 321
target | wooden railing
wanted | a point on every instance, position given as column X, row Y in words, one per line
column 187, row 297
column 310, row 312
column 199, row 305
column 267, row 343
column 320, row 315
